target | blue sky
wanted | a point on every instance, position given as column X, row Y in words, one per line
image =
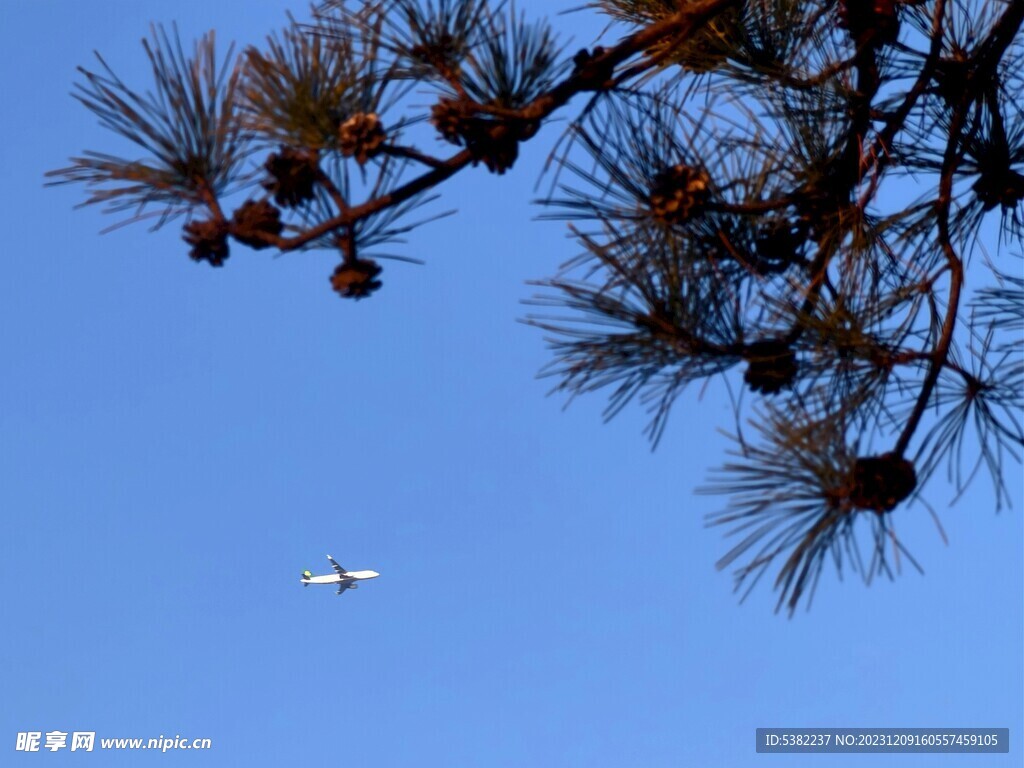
column 178, row 443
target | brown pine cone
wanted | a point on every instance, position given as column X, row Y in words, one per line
column 361, row 137
column 293, row 177
column 771, row 366
column 678, row 194
column 356, row 279
column 882, row 482
column 254, row 218
column 209, row 241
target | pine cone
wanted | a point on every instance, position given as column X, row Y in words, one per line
column 356, row 279
column 253, row 219
column 882, row 482
column 361, row 137
column 771, row 366
column 293, row 177
column 871, row 22
column 493, row 142
column 678, row 193
column 778, row 244
column 450, row 117
column 497, row 155
column 999, row 186
column 823, row 203
column 209, row 241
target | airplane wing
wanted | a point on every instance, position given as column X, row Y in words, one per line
column 337, row 568
column 343, row 586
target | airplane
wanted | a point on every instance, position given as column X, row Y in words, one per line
column 344, row 579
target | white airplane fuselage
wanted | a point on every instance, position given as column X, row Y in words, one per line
column 337, row 578
column 345, row 580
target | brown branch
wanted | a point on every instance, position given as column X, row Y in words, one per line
column 206, row 194
column 850, row 170
column 940, row 354
column 880, row 149
column 680, row 24
column 353, row 214
column 332, row 189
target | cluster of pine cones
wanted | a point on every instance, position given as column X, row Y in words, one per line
column 493, row 142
